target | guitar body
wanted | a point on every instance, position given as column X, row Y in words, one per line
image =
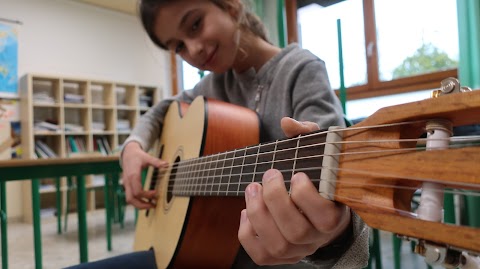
column 200, row 231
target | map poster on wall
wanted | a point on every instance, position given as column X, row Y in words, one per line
column 8, row 61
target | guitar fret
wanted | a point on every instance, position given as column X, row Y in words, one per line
column 284, row 153
column 225, row 185
column 214, row 174
column 241, row 171
column 195, row 179
column 310, row 155
column 209, row 176
column 189, row 177
column 235, row 172
column 220, row 179
column 249, row 168
column 274, row 152
column 295, row 159
column 206, row 173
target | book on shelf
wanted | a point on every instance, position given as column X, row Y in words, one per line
column 123, row 125
column 46, row 126
column 77, row 144
column 98, row 126
column 72, row 127
column 107, row 145
column 43, row 98
column 103, row 145
column 73, row 98
column 44, row 150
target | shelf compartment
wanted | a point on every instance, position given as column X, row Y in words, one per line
column 75, row 92
column 126, row 119
column 46, row 91
column 47, row 146
column 46, row 120
column 76, row 120
column 125, row 96
column 103, row 120
column 102, row 94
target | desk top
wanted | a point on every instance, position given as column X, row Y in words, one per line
column 55, row 167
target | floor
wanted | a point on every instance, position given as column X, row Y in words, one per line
column 62, row 250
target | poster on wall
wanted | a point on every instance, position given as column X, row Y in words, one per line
column 10, row 124
column 8, row 61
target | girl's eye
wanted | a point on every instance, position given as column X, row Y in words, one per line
column 196, row 24
column 179, row 47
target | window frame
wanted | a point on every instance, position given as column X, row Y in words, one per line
column 374, row 87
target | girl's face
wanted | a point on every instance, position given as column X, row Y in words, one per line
column 202, row 33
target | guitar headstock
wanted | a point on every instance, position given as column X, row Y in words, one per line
column 387, row 159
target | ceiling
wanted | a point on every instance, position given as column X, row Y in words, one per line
column 124, row 6
column 130, row 6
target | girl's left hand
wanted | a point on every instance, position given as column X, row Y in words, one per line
column 278, row 228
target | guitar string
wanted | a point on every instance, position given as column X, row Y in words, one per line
column 351, row 183
column 194, row 162
column 468, row 139
column 355, row 182
column 191, row 186
column 400, row 211
column 418, row 148
column 177, row 175
column 314, row 134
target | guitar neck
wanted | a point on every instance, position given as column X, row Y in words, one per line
column 229, row 173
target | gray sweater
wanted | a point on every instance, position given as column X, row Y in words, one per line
column 293, row 83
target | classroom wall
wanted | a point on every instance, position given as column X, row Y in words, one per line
column 67, row 38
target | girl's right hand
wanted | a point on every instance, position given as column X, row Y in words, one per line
column 134, row 159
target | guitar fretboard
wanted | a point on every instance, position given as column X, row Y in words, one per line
column 229, row 173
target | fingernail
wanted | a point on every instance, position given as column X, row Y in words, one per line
column 251, row 191
column 297, row 178
column 243, row 216
column 269, row 175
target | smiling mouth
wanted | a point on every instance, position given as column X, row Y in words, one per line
column 210, row 57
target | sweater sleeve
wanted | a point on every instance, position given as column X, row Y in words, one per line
column 313, row 99
column 149, row 126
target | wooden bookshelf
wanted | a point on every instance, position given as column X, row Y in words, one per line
column 75, row 116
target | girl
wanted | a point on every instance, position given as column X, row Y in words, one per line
column 300, row 230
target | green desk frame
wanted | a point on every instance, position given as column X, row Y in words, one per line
column 47, row 168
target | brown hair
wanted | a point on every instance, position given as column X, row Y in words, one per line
column 148, row 10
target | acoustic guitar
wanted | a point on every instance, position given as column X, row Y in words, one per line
column 375, row 167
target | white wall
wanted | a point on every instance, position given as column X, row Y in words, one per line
column 66, row 38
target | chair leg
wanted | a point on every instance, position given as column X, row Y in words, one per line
column 37, row 230
column 58, row 204
column 67, row 206
column 82, row 218
column 108, row 213
column 397, row 248
column 3, row 216
column 377, row 249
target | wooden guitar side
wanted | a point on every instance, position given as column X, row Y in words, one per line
column 384, row 208
column 196, row 232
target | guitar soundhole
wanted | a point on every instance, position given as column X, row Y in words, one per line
column 171, row 180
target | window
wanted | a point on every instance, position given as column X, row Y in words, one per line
column 319, row 35
column 190, row 76
column 388, row 46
